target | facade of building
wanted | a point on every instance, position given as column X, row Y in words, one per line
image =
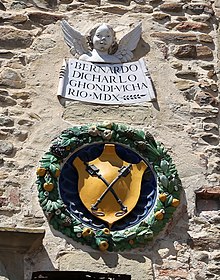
column 179, row 43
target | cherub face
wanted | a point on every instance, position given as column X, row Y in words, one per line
column 103, row 38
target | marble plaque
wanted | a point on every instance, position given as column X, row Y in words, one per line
column 112, row 84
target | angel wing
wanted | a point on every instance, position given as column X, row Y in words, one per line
column 74, row 39
column 128, row 43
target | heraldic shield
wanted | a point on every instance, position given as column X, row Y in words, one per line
column 108, row 186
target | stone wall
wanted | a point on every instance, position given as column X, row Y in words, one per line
column 180, row 45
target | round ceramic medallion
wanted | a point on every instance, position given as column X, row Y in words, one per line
column 108, row 186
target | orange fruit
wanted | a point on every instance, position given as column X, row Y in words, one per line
column 87, row 232
column 103, row 245
column 57, row 173
column 48, row 187
column 41, row 171
column 175, row 202
column 163, row 197
column 106, row 231
column 159, row 215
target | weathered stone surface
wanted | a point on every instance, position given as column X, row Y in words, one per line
column 207, row 66
column 123, row 2
column 192, row 51
column 11, row 38
column 183, row 37
column 184, row 85
column 141, row 2
column 11, row 78
column 204, row 111
column 186, row 51
column 181, row 18
column 126, row 263
column 176, row 65
column 43, row 43
column 186, row 74
column 6, row 54
column 202, row 18
column 171, row 7
column 13, row 18
column 20, row 135
column 114, row 9
column 205, row 98
column 18, row 5
column 6, row 147
column 6, row 101
column 211, row 74
column 3, row 202
column 143, row 9
column 183, row 273
column 6, row 121
column 65, row 1
column 94, row 2
column 160, row 16
column 44, row 18
column 171, row 25
column 20, row 95
column 199, row 8
column 205, row 38
column 195, row 26
column 2, row 6
column 25, row 122
column 204, row 52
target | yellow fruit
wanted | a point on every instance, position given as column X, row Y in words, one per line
column 57, row 173
column 87, row 232
column 175, row 202
column 48, row 187
column 163, row 197
column 103, row 245
column 106, row 231
column 41, row 171
column 159, row 215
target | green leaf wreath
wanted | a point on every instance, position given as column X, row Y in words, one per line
column 143, row 143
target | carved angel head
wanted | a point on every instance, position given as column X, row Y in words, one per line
column 102, row 43
column 103, row 37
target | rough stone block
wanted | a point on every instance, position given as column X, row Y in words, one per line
column 182, row 37
column 171, row 7
column 199, row 8
column 192, row 51
column 44, row 18
column 13, row 38
column 6, row 147
column 186, row 51
column 160, row 16
column 17, row 18
column 195, row 26
column 11, row 78
column 184, row 85
column 205, row 98
column 204, row 52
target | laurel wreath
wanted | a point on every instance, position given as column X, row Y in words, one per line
column 168, row 184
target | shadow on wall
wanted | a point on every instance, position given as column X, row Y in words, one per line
column 37, row 261
column 165, row 245
column 175, row 232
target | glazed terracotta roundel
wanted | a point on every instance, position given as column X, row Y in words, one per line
column 108, row 186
